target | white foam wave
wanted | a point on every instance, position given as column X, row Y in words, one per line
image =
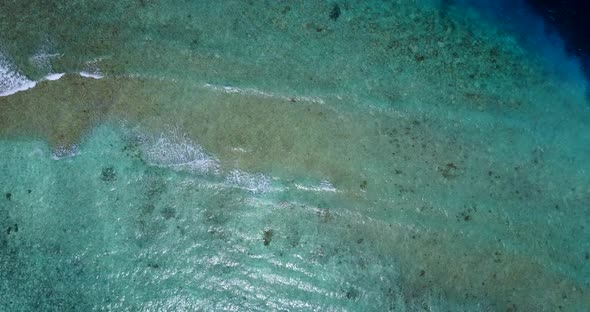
column 52, row 77
column 92, row 69
column 253, row 182
column 324, row 186
column 62, row 152
column 11, row 80
column 42, row 60
column 255, row 92
column 177, row 151
column 15, row 86
column 94, row 75
column 239, row 149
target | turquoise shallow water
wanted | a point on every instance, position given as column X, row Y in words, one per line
column 278, row 156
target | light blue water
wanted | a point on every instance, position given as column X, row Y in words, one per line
column 252, row 156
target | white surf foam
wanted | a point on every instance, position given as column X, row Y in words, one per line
column 324, row 186
column 253, row 182
column 62, row 152
column 43, row 60
column 91, row 75
column 11, row 80
column 52, row 77
column 255, row 92
column 175, row 150
column 92, row 69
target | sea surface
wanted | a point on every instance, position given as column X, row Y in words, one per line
column 347, row 155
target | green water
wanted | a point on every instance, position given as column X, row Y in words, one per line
column 280, row 156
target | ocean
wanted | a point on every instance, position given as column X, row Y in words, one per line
column 401, row 155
